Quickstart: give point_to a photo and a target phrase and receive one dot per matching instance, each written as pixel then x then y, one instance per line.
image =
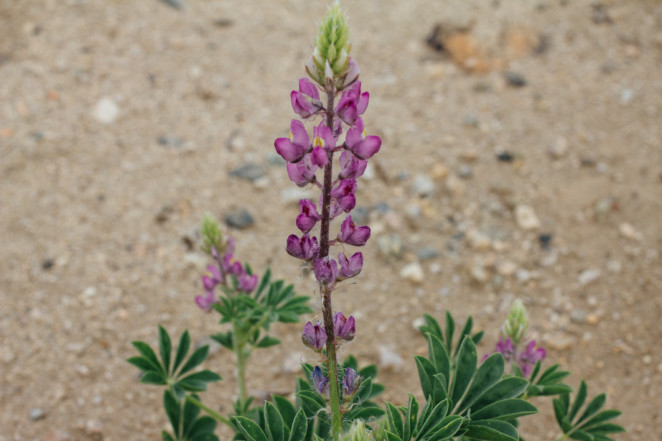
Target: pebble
pixel 37 414
pixel 455 186
pixel 478 272
pixel 614 266
pixel 505 156
pixel 390 246
pixel 423 185
pixel 545 240
pixel 588 276
pixel 177 4
pixel 578 316
pixel 627 95
pixel 169 141
pixel 526 217
pixel 439 171
pixel 427 253
pixel 515 79
pixel 418 323
pixel 465 171
pixel 249 172
pixel 239 219
pixel 559 148
pixel 478 240
pixel 629 232
pixel 388 358
pixel 413 272
pixel 558 341
pixel 506 268
pixel 106 111
pixel 294 194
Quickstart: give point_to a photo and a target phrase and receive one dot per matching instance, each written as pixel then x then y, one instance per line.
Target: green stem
pixel 561 438
pixel 214 414
pixel 241 356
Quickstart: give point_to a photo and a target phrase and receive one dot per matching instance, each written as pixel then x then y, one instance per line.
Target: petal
pixel 299 134
pixel 307 87
pixel 289 151
pixel 367 148
pixel 319 157
pixel 362 103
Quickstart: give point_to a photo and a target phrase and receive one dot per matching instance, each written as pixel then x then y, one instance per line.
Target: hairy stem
pixel 214 414
pixel 327 309
pixel 240 354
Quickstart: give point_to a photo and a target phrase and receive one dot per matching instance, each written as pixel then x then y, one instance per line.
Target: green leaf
pixel 605 429
pixel 153 378
pixel 299 427
pixel 196 359
pixel 580 398
pixel 432 326
pixel 410 417
pixel 393 437
pixel 224 339
pixel 580 435
pixel 165 348
pixel 505 410
pixel 430 421
pixel 560 411
pixel 205 376
pixel 439 356
pixel 509 387
pixel 364 412
pixel 263 283
pixel 492 431
pixel 447 427
pixel 394 419
pixel 182 350
pixel 369 371
pixel 172 409
pixel 464 370
pixel 273 422
pixel 189 416
pixel 165 436
pixel 489 373
pixel 250 429
pixel 450 329
pixel 147 352
pixel 601 417
pixel 477 337
pixel 426 373
pixel 203 425
pixel 311 401
pixel 285 408
pixel 595 405
pixel 267 342
pixel 143 364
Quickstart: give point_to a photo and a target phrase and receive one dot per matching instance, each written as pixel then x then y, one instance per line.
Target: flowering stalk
pixel 335 73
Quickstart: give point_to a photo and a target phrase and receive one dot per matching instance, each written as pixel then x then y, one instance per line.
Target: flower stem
pixel 240 355
pixel 327 309
pixel 213 413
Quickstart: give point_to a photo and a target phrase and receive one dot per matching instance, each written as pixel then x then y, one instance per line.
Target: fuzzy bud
pixel 516 323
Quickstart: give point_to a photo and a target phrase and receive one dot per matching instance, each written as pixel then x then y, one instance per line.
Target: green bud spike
pixel 211 234
pixel 516 323
pixel 356 432
pixel 331 45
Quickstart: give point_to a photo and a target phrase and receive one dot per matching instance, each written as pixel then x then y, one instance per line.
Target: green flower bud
pixel 331 51
pixel 516 323
pixel 380 433
pixel 211 235
pixel 356 432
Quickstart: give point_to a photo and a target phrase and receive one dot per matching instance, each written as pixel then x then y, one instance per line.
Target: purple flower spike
pixel 212 278
pixel 529 357
pixel 320 381
pixel 302 173
pixel 326 271
pixel 344 328
pixel 305 248
pixel 247 283
pixel 296 145
pixel 205 302
pixel 353 235
pixel 314 336
pixel 344 194
pixel 350 383
pixel 308 216
pixel 505 347
pixel 351 167
pixel 364 147
pixel 306 102
pixel 350 267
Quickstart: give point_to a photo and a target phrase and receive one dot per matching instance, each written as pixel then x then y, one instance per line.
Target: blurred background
pixel 521 158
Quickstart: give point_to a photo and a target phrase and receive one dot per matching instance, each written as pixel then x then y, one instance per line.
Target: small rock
pixel 106 111
pixel 505 156
pixel 427 253
pixel 629 232
pixel 559 148
pixel 506 268
pixel 470 120
pixel 239 219
pixel 588 276
pixel 249 172
pixel 523 275
pixel 477 240
pixel 627 95
pixel 515 79
pixel 526 217
pixel 545 240
pixel 469 156
pixel 578 316
pixel 94 429
pixel 47 264
pixel 614 266
pixel 478 273
pixel 455 186
pixel 360 215
pixel 294 194
pixel 388 358
pixel 390 246
pixel 604 206
pixel 465 171
pixel 413 272
pixel 169 141
pixel 439 171
pixel 558 341
pixel 37 414
pixel 592 318
pixel 418 323
pixel 177 4
pixel 423 185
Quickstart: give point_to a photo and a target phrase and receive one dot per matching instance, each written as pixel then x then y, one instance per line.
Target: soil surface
pixel 521 158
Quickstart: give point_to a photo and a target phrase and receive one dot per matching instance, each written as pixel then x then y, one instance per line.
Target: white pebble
pixel 106 111
pixel 413 272
pixel 526 217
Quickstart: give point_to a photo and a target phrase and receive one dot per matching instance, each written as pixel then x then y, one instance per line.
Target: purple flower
pixel 314 336
pixel 323 138
pixel 326 270
pixel 529 357
pixel 505 347
pixel 344 194
pixel 306 102
pixel 353 235
pixel 350 267
pixel 344 328
pixel 212 278
pixel 320 381
pixel 296 145
pixel 246 283
pixel 350 383
pixel 351 167
pixel 364 147
pixel 205 302
pixel 352 103
pixel 308 216
pixel 305 248
pixel 350 77
pixel 302 173
pixel 232 266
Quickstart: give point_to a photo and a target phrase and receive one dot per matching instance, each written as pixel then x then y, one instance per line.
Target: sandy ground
pixel 120 122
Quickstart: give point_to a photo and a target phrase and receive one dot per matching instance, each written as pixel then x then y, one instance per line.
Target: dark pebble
pixel 360 215
pixel 545 240
pixel 177 4
pixel 164 214
pixel 169 141
pixel 427 253
pixel 223 22
pixel 505 157
pixel 239 219
pixel 47 264
pixel 382 208
pixel 250 172
pixel 515 79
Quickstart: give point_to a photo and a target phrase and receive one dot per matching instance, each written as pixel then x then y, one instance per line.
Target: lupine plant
pixel 328 148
